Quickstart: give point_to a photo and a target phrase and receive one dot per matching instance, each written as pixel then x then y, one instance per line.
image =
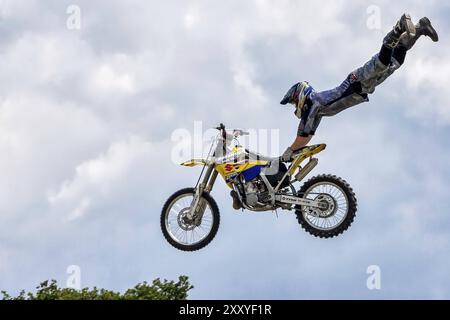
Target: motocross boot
pixel 236 202
pixel 404 25
pixel 423 28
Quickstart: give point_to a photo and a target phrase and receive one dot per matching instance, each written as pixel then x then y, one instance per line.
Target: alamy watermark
pixel 374 279
pixel 373 21
pixel 73 21
pixel 201 141
pixel 74 277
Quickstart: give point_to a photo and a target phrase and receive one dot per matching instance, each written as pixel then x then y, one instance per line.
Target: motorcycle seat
pixel 258 156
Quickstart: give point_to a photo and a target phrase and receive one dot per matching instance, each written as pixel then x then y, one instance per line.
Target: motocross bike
pixel 325 205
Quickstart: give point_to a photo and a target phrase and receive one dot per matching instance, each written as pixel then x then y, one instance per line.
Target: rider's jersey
pixel 352 91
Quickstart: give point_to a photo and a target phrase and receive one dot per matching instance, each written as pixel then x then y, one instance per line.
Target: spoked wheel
pixel 183 232
pixel 338 211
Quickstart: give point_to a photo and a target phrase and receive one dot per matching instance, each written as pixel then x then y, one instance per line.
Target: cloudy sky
pixel 87 115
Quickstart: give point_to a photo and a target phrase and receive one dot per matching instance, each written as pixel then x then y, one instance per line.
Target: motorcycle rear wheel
pixel 179 231
pixel 341 202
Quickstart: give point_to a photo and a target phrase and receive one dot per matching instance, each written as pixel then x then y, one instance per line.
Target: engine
pixel 252 188
pixel 255 192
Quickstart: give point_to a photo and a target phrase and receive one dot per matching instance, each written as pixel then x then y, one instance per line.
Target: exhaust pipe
pixel 306 169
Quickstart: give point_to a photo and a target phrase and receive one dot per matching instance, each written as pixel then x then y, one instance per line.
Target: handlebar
pixel 222 130
pixel 240 132
pixel 235 133
pixel 220 127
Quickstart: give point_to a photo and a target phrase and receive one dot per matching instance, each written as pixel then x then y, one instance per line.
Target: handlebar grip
pixel 220 127
pixel 240 132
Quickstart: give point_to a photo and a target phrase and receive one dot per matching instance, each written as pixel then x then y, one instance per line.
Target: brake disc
pixel 328 203
pixel 183 221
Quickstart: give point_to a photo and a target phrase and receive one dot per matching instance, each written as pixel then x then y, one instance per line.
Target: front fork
pixel 198 205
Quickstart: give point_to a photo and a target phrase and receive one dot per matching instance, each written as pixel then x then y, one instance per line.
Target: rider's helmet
pixel 297 95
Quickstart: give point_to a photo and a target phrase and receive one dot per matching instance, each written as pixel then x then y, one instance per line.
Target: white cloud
pixel 98 177
pixel 40 139
pixel 191 18
pixel 428 80
pixel 308 22
pixel 86 116
pixel 106 81
pixel 251 93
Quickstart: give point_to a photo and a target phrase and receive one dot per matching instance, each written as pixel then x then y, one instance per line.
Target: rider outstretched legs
pixel 358 85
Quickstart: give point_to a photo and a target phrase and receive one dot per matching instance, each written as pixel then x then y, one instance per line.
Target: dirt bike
pixel 325 205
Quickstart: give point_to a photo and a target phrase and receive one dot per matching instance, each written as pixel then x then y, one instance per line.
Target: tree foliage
pixel 158 290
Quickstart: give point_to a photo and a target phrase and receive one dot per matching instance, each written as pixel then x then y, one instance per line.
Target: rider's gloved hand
pixel 287 155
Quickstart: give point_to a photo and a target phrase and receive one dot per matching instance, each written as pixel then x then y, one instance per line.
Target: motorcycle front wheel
pixel 339 210
pixel 184 233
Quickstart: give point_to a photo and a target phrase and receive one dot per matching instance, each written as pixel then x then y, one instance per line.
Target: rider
pixel 311 106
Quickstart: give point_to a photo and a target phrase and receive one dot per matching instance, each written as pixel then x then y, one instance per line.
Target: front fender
pixel 194 162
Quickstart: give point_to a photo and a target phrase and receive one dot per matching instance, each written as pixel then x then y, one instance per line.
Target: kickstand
pixel 276 213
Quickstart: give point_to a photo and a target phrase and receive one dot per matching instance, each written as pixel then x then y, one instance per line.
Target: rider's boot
pixel 404 25
pixel 236 202
pixel 423 28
